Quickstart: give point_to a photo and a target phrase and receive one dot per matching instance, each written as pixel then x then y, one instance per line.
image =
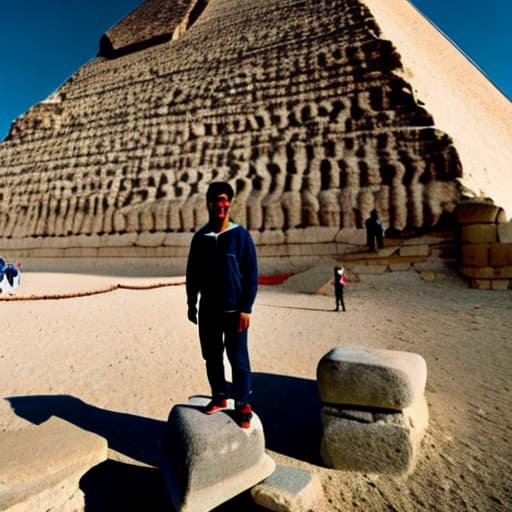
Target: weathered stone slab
pixel 289 490
pixel 41 465
pixel 389 379
pixel 374 441
pixel 399 267
pixel 211 459
pixel 373 269
pixel 415 250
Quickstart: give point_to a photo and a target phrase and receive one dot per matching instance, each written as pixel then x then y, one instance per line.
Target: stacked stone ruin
pixel 485 245
pixel 374 410
pixel 302 106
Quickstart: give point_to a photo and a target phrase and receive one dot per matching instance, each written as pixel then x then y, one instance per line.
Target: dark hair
pixel 217 188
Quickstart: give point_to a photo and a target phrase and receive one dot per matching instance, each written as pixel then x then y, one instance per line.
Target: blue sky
pixel 43 42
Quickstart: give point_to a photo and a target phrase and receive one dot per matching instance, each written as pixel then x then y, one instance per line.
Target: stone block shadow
pixel 290 410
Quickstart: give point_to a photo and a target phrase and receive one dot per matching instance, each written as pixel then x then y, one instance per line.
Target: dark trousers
pixel 372 237
pixel 339 298
pixel 216 332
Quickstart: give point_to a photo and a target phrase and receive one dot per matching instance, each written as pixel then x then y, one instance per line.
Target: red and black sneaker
pixel 243 416
pixel 215 405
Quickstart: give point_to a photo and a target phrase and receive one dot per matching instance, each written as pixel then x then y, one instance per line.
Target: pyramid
pixel 315 111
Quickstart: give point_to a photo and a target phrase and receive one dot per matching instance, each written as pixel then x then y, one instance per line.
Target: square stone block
pixel 475 255
pixel 373 441
pixel 479 233
pixel 369 377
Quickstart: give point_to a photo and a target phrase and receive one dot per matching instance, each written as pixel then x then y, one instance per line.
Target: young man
pixel 222 271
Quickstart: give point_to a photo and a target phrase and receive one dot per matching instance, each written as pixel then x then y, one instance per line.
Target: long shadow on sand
pixel 288 407
pixel 135 436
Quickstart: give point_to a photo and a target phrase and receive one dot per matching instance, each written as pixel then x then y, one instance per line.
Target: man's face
pixel 219 207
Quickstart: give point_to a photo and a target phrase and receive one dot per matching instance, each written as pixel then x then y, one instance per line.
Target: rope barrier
pixel 264 280
pixel 89 293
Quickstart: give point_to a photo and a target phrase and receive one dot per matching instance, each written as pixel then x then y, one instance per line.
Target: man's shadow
pixel 135 436
pixel 288 407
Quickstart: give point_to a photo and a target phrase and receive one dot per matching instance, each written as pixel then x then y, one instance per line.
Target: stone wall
pixel 485 241
pixel 302 106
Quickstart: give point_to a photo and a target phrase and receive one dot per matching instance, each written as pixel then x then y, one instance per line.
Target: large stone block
pixel 41 465
pixel 370 377
pixel 211 459
pixel 373 441
pixel 475 255
pixel 289 490
pixel 500 255
pixel 479 213
pixel 479 233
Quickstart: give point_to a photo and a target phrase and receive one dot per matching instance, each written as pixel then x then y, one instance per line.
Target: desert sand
pixel 116 362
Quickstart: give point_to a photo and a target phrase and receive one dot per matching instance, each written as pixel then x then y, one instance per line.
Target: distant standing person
pixel 340 280
pixel 222 271
pixel 374 231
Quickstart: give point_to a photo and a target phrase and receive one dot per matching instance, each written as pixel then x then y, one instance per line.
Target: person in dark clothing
pixel 374 231
pixel 340 280
pixel 222 272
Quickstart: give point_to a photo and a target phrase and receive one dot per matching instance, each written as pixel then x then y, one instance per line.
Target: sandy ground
pixel 116 362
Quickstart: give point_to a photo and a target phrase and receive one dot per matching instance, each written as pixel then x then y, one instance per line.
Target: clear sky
pixel 43 42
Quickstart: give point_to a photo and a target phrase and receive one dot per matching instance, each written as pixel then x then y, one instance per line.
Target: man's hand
pixel 192 314
pixel 244 321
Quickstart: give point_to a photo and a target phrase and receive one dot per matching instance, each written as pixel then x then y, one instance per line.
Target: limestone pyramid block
pixel 373 441
pixel 369 377
pixel 210 458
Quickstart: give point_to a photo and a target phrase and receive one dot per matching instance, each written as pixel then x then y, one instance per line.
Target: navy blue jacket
pixel 222 269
